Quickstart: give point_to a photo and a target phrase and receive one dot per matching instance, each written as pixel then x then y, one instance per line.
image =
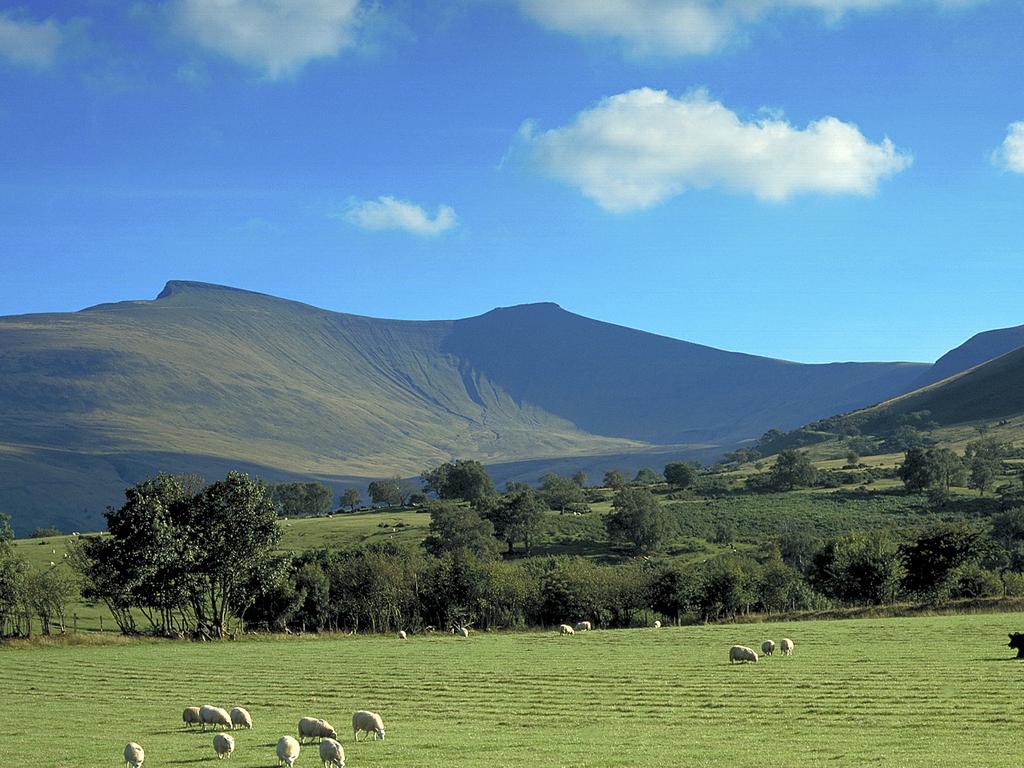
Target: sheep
pixel 315 728
pixel 657 624
pixel 401 634
pixel 742 653
pixel 565 629
pixel 133 755
pixel 287 751
pixel 332 754
pixel 583 626
pixel 211 715
pixel 190 716
pixel 786 646
pixel 223 745
pixel 241 718
pixel 370 722
pixel 463 632
pixel 768 647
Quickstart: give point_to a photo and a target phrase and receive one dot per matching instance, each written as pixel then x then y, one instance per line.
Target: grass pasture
pixel 893 692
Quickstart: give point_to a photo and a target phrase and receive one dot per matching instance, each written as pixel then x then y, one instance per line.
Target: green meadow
pixel 934 691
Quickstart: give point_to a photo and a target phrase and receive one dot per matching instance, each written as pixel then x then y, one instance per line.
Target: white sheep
pixel 190 716
pixel 786 646
pixel 133 755
pixel 370 722
pixel 315 728
pixel 401 634
pixel 657 624
pixel 241 718
pixel 565 629
pixel 463 632
pixel 583 626
pixel 287 751
pixel 223 745
pixel 742 653
pixel 211 715
pixel 768 647
pixel 332 754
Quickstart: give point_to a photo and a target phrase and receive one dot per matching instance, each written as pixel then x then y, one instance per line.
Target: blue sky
pixel 808 179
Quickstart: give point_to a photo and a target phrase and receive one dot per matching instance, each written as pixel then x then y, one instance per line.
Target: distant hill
pixel 206 377
pixel 977 350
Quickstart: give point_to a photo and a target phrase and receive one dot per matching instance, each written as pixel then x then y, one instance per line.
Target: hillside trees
pixel 12 572
pixel 936 469
pixel 301 499
pixel 455 528
pixel 349 498
pixel 516 517
pixel 459 479
pixel 680 474
pixel 560 493
pixel 792 469
pixel 183 559
pixel 638 519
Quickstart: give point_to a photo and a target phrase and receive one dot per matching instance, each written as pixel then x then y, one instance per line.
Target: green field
pixel 893 692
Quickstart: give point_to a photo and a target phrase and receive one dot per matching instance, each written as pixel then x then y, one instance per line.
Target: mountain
pixel 977 350
pixel 205 377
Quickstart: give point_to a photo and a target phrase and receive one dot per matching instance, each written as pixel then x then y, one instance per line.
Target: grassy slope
pixel 913 693
pixel 207 376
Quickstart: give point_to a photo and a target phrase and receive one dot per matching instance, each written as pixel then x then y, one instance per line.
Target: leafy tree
pixel 647 476
pixel 459 479
pixel 12 573
pixel 48 593
pixel 349 498
pixel 931 469
pixel 776 586
pixel 560 492
pixel 638 519
pixel 985 459
pixel 673 592
pixel 680 474
pixel 301 499
pixel 614 479
pixel 516 517
pixel 983 474
pixel 389 491
pixel 933 556
pixel 852 458
pixel 580 478
pixel 792 469
pixel 43 533
pixel 455 528
pixel 859 568
pixel 727 587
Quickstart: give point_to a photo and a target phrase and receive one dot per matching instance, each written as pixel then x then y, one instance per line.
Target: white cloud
pixel 276 36
pixel 29 43
pixel 387 212
pixel 1010 155
pixel 636 149
pixel 677 27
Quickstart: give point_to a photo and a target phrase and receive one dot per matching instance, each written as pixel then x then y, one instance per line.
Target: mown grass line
pixel 895 692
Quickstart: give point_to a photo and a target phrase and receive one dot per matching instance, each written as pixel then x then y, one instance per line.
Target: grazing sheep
pixel 401 634
pixel 287 751
pixel 315 728
pixel 190 716
pixel 657 624
pixel 223 745
pixel 332 754
pixel 786 646
pixel 370 722
pixel 463 632
pixel 133 755
pixel 742 653
pixel 241 718
pixel 211 715
pixel 565 629
pixel 768 647
pixel 583 626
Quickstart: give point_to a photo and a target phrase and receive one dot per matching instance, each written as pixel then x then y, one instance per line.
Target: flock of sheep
pixel 332 754
pixel 742 653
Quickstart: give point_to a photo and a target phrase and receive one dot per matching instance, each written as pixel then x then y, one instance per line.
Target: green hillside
pixel 207 378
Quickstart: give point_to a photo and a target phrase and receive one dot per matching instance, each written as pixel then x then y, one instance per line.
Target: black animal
pixel 1017 641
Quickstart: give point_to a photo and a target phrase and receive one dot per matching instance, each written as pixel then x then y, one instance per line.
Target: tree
pixel 388 492
pixel 983 473
pixel 459 479
pixel 455 528
pixel 647 476
pixel 580 478
pixel 560 492
pixel 930 469
pixel 349 498
pixel 680 474
pixel 614 479
pixel 859 568
pixel 638 519
pixel 985 459
pixel 301 499
pixel 12 573
pixel 852 458
pixel 516 517
pixel 933 556
pixel 792 468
